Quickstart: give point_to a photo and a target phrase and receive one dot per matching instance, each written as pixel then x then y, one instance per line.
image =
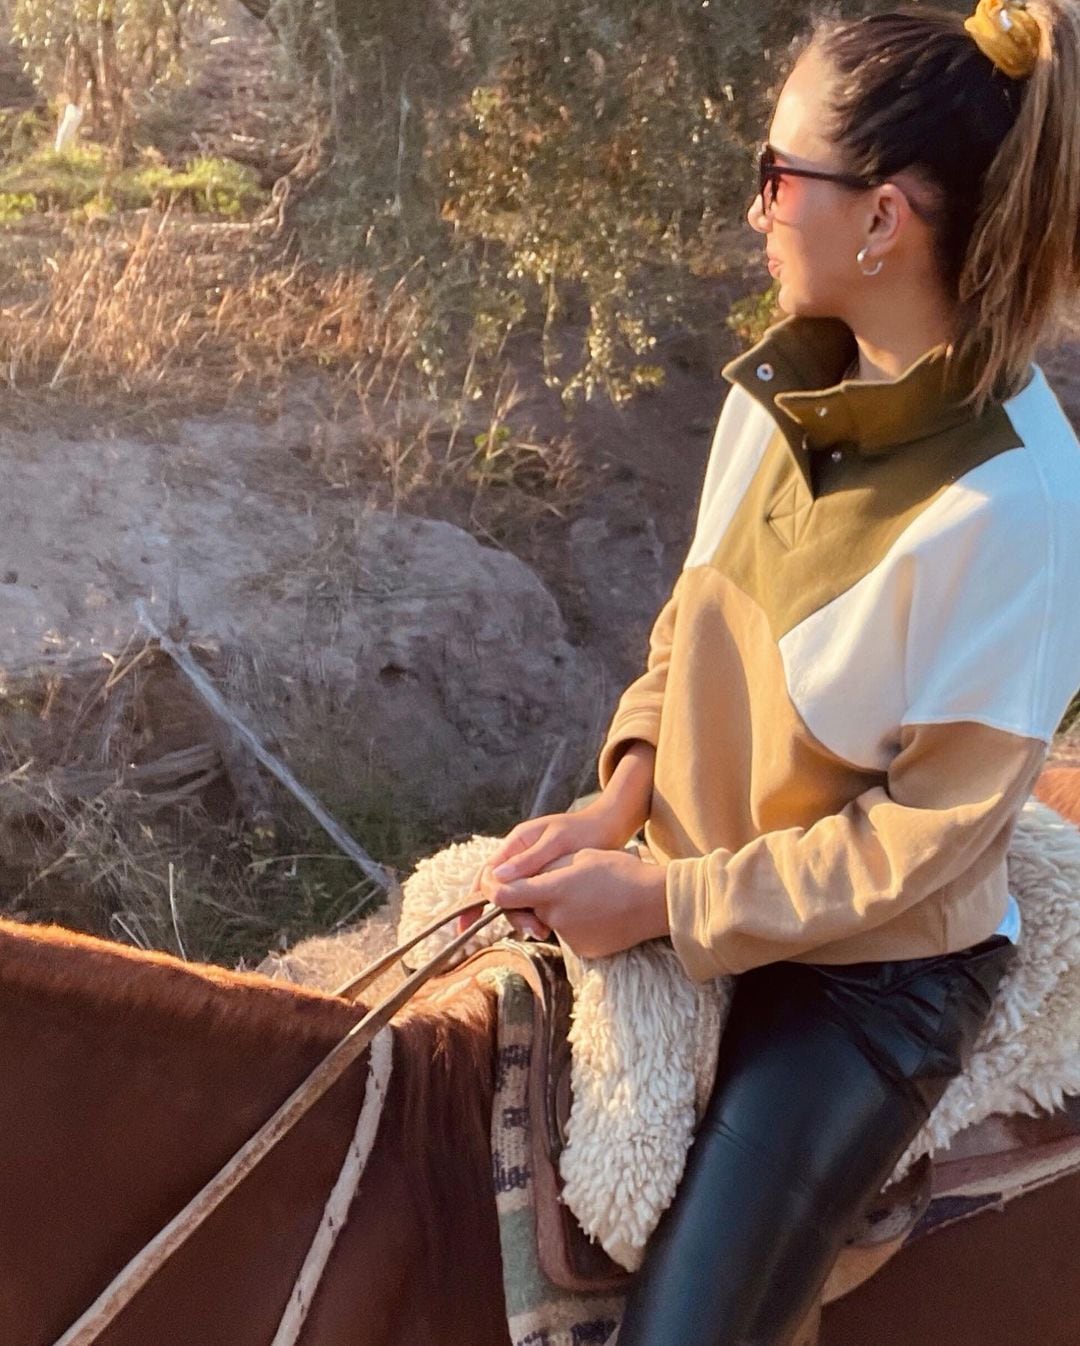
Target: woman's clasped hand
pixel 568 872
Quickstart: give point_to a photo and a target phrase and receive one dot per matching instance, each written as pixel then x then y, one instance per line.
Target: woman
pixel 852 687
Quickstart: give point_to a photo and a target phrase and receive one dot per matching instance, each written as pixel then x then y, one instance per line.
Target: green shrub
pixel 15 205
pixel 22 130
pixel 57 181
pixel 750 316
pixel 218 186
pixel 82 180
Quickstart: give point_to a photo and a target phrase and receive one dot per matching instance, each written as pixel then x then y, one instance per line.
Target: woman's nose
pixel 756 217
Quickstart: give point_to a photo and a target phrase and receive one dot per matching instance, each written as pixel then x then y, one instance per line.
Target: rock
pixel 389 658
pixel 625 574
pixel 447 677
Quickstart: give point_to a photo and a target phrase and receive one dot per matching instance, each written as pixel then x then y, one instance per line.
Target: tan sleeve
pixel 950 801
pixel 637 715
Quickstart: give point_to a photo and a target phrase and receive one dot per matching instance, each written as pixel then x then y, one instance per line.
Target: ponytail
pixel 999 154
pixel 1023 261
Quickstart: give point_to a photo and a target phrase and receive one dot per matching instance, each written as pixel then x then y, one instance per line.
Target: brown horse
pixel 1058 787
pixel 130 1078
pixel 1003 1278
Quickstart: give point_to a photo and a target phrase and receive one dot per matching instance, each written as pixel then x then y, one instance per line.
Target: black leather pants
pixel 826 1073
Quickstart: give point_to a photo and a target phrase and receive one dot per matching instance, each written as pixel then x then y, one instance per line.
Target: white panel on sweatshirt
pixel 742 435
pixel 968 616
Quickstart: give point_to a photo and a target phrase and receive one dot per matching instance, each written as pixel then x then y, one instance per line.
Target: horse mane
pixel 442 1081
pixel 51 961
pixel 445 1068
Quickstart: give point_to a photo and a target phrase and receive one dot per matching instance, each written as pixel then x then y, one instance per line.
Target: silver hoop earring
pixel 860 257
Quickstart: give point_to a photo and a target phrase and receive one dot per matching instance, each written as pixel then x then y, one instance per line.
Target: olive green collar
pixel 796 372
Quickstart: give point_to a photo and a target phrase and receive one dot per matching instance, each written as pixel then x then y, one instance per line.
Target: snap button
pixel 836 455
pixel 765 372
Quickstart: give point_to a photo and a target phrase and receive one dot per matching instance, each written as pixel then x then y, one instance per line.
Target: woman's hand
pixel 533 845
pixel 607 823
pixel 600 901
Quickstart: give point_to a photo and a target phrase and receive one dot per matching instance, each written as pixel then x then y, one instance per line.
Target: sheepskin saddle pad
pixel 643 1042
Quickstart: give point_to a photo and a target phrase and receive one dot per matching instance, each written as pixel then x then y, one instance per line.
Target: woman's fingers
pixel 523 921
pixel 526 850
pixel 517 840
pixel 531 893
pixel 549 847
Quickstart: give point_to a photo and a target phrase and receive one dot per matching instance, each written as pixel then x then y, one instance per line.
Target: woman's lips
pixel 774 266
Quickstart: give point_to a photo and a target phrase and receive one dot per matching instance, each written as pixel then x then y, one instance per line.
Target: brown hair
pixel 1000 159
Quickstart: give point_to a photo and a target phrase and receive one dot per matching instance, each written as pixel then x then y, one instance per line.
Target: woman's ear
pixel 891 214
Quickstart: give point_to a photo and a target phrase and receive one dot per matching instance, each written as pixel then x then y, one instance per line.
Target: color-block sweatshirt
pixel 853 685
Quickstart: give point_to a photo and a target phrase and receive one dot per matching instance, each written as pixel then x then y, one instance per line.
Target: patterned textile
pixel 537 1312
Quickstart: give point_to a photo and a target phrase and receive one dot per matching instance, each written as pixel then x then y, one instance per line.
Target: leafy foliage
pixel 104 50
pixel 638 135
pixel 589 156
pixel 750 316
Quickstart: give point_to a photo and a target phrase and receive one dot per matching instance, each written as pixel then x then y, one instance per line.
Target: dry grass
pixel 164 310
pixel 118 812
pixel 121 813
pixel 140 320
pixel 126 811
pixel 464 457
pixel 133 321
pixel 188 883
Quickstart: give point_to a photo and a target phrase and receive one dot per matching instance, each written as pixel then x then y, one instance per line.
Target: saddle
pixel 569 1258
pixel 997 1157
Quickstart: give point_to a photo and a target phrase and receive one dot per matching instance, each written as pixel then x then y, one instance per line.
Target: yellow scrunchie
pixel 1008 34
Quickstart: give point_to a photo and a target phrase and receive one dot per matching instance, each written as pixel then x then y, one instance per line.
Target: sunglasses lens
pixel 766 181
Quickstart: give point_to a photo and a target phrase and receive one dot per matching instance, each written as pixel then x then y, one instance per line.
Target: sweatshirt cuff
pixel 689 903
pixel 629 728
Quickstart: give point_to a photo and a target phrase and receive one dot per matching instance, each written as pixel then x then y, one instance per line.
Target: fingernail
pixel 503 872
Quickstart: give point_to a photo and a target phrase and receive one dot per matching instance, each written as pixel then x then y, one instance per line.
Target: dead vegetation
pixel 159 308
pixel 139 320
pixel 123 810
pixel 126 810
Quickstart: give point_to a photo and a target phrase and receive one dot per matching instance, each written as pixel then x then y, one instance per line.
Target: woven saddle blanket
pixel 538 1313
pixel 644 1041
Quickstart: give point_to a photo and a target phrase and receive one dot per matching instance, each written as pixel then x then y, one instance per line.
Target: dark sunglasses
pixel 769 171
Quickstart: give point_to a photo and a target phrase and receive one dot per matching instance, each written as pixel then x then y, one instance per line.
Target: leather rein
pixel 130 1279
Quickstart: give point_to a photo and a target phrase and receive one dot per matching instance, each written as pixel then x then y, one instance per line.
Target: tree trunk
pixel 260 8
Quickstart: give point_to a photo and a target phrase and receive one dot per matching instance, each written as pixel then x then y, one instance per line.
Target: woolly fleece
pixel 644 1037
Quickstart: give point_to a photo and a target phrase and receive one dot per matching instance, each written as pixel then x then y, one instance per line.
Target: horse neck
pixel 1058 787
pixel 129 1079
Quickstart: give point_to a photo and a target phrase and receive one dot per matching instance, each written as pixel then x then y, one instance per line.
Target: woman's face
pixel 815 228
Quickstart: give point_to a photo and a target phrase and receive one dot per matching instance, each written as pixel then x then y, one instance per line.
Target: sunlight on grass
pixel 82 181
